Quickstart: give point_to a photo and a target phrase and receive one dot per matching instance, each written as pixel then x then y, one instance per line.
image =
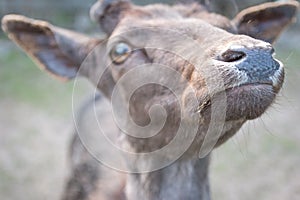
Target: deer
pixel 176 76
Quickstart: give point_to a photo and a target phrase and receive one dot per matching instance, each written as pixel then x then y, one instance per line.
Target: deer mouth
pixel 247 101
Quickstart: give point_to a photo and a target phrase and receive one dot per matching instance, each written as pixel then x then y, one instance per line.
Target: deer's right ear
pixel 109 12
pixel 266 21
pixel 58 51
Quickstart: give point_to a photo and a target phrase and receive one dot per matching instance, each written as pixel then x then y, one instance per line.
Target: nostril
pixel 232 56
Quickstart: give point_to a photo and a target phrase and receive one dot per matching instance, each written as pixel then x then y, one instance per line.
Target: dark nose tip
pixel 256 61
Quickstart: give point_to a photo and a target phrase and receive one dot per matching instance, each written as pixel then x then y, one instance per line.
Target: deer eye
pixel 120 53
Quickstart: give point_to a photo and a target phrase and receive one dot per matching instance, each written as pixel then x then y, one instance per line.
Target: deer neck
pixel 184 179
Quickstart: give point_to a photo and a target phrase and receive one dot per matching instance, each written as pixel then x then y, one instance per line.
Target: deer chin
pixel 249 101
pixel 245 102
pixel 241 103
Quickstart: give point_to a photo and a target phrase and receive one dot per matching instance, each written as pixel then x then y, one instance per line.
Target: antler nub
pixel 98 9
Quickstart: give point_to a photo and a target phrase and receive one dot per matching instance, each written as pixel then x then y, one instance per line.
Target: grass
pixel 22 81
pixel 289 56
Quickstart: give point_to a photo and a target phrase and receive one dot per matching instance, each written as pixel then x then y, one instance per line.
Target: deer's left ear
pixel 58 51
pixel 108 13
pixel 266 21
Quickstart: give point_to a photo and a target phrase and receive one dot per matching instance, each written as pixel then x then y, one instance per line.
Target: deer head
pixel 199 67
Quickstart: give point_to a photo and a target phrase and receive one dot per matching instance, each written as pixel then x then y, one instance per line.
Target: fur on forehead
pixel 160 12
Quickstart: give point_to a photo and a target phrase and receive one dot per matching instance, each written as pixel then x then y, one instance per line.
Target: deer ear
pixel 109 12
pixel 266 21
pixel 58 51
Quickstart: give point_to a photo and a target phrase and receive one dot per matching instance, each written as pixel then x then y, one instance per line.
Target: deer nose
pixel 257 62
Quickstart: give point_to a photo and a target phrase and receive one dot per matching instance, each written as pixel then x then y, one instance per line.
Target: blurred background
pixel 262 161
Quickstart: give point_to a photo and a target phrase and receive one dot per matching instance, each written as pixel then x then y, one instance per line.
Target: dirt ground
pixel 261 162
pixel 32 153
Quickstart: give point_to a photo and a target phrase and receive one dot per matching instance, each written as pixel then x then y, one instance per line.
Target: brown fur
pixel 251 80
